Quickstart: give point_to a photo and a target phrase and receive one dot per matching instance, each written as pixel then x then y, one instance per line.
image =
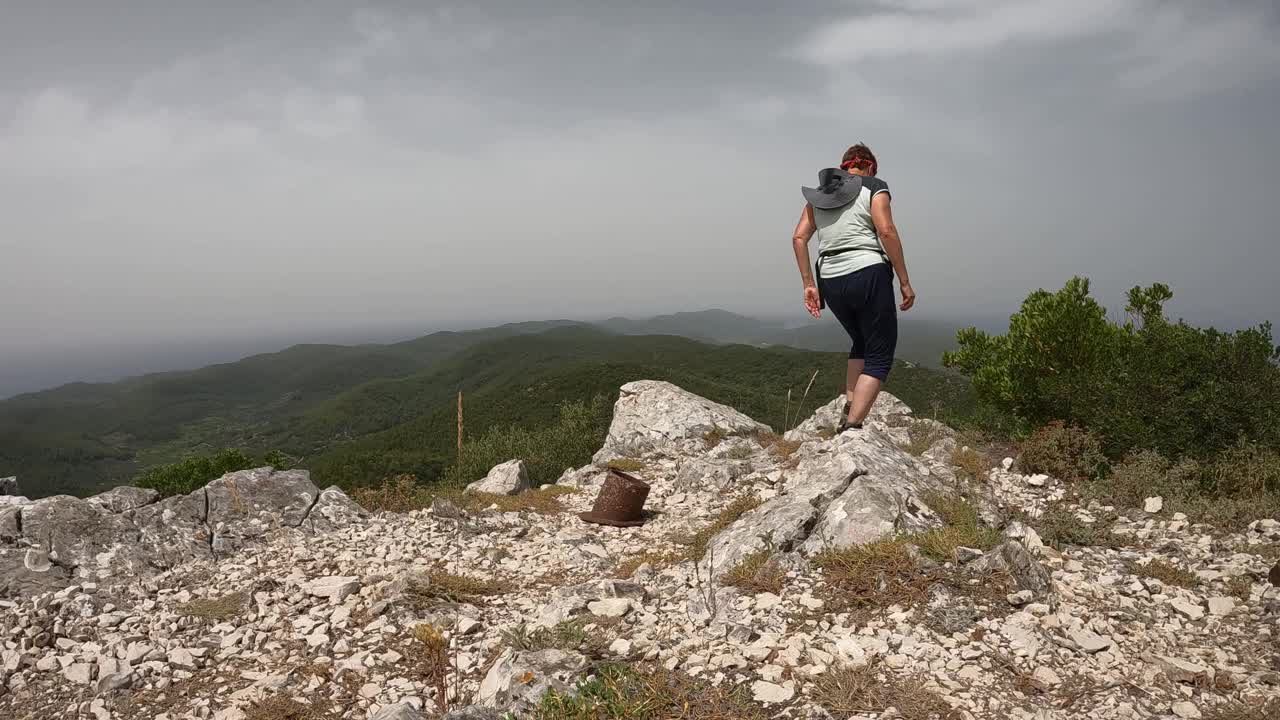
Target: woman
pixel 859 252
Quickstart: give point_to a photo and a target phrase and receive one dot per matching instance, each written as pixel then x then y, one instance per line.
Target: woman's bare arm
pixel 800 243
pixel 882 216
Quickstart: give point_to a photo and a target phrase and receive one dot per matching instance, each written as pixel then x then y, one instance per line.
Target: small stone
pixel 335 587
pixel 467 626
pixel 1046 677
pixel 1020 598
pixel 1221 605
pixel 1153 504
pixel 1006 463
pixel 620 647
pixel 770 693
pixel 966 555
pixel 1186 709
pixel 1182 671
pixel 610 607
pixel 767 601
pixel 1089 641
pixel 182 657
pixel 79 673
pixel 1037 480
pixel 1190 610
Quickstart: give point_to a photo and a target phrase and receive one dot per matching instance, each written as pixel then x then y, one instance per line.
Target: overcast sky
pixel 176 170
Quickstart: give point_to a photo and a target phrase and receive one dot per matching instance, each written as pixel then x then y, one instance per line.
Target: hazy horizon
pixel 185 179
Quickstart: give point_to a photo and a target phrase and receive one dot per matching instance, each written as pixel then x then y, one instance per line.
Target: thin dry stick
pixel 786 415
pixel 800 407
pixel 459 422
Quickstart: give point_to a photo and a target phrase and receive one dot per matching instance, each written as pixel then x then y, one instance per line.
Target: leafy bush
pixel 193 473
pixel 547 452
pixel 1145 384
pixel 1067 453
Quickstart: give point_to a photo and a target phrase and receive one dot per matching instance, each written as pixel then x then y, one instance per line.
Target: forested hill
pixel 356 414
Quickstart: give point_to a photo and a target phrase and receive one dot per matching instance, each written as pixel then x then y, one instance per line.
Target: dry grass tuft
pixel 922 437
pixel 1241 586
pixel 961 528
pixel 969 464
pixel 281 707
pixel 439 587
pixel 657 559
pixel 585 635
pixel 622 691
pixel 396 494
pixel 1167 573
pixel 714 437
pixel 847 691
pixel 696 543
pixel 1059 527
pixel 218 609
pixel 757 573
pixel 626 465
pixel 543 501
pixel 871 576
pixel 431 656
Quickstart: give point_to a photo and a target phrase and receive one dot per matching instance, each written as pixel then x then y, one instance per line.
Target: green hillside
pixel 357 414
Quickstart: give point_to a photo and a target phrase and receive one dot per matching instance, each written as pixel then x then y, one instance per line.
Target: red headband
pixel 858 162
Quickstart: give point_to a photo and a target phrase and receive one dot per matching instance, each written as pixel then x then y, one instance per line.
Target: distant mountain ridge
pixel 355 413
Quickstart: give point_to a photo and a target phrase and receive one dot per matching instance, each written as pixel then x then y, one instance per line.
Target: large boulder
pixel 127 532
pixel 887 410
pixel 856 488
pixel 518 680
pixel 508 478
pixel 652 415
pixel 124 498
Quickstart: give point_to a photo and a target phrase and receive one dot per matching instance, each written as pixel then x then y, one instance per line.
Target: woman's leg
pixel 851 379
pixel 878 323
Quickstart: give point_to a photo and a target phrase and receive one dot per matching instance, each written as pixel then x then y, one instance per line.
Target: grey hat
pixel 836 188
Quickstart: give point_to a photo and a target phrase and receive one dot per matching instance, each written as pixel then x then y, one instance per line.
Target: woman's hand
pixel 908 297
pixel 811 301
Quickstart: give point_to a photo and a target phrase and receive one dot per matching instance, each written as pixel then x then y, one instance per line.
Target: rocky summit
pixel 799 574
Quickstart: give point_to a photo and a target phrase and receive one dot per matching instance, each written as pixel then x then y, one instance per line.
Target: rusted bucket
pixel 620 502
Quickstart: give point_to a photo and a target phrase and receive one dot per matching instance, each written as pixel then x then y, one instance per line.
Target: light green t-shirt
pixel 851 227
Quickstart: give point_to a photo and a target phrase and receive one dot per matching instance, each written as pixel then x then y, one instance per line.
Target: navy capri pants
pixel 864 304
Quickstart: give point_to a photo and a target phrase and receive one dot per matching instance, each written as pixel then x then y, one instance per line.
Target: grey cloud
pixel 183 170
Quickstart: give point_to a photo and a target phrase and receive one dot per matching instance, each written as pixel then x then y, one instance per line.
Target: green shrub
pixel 547 452
pixel 193 473
pixel 1067 453
pixel 1145 384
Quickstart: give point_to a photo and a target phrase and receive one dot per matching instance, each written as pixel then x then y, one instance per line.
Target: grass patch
pixel 847 691
pixel 216 609
pixel 871 576
pixel 585 635
pixel 1166 572
pixel 626 465
pixel 969 464
pixel 657 559
pixel 757 573
pixel 1241 587
pixel 439 587
pixel 645 693
pixel 714 437
pixel 397 494
pixel 697 542
pixel 281 707
pixel 921 436
pixel 1059 527
pixel 961 528
pixel 431 656
pixel 543 501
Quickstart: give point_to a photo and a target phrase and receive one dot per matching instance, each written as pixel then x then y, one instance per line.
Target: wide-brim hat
pixel 836 188
pixel 620 502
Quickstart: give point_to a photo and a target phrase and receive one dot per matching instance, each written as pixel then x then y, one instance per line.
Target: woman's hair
pixel 861 157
